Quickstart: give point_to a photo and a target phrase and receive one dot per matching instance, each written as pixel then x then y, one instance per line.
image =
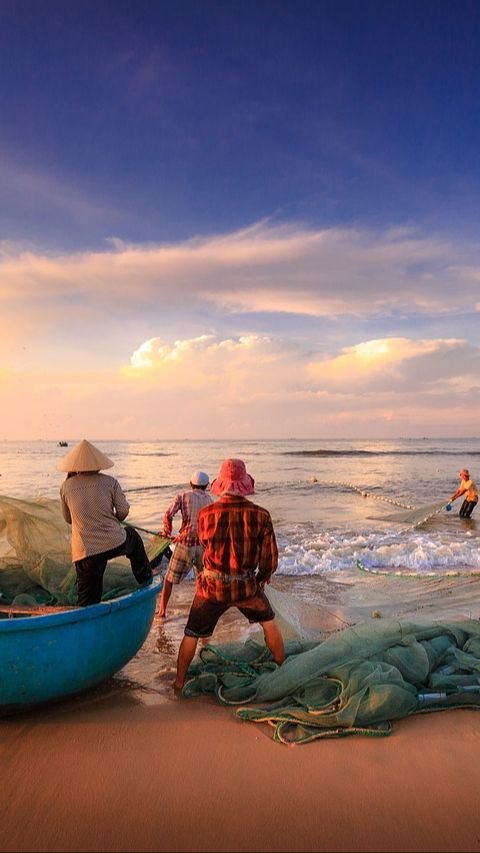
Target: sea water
pixel 328 500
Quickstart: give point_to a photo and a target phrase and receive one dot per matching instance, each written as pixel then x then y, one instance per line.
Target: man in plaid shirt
pixel 188 552
pixel 240 556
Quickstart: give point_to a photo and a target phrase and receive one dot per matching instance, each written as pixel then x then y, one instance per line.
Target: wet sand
pixel 188 775
pixel 130 767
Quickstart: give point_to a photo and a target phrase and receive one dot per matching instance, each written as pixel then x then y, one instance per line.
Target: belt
pixel 243 576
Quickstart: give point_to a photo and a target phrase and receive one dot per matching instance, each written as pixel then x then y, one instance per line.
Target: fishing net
pixel 344 673
pixel 414 515
pixel 356 681
pixel 35 557
pixel 406 514
pixel 387 648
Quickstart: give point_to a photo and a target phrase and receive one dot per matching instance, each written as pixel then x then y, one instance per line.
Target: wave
pixel 322 452
pixel 304 552
pixel 152 453
pixel 148 488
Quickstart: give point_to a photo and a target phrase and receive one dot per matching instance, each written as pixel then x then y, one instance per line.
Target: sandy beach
pixel 123 768
pixel 112 774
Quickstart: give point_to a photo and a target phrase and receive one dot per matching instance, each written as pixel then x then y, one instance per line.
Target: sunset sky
pixel 239 218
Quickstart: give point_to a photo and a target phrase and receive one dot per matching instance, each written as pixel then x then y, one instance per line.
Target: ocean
pixel 313 489
pixel 339 556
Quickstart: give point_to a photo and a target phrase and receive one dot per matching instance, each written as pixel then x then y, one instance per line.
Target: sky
pixel 245 219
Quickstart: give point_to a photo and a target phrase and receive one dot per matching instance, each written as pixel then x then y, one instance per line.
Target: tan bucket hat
pixel 84 457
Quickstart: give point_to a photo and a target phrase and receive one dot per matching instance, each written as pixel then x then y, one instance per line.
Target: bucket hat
pixel 199 478
pixel 233 478
pixel 84 457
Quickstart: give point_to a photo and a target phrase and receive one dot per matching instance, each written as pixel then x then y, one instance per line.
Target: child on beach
pixel 240 557
pixel 468 488
pixel 188 553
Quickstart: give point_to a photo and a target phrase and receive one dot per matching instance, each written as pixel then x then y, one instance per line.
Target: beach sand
pixel 123 769
pixel 188 775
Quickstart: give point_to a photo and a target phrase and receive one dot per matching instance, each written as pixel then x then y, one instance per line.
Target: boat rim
pixel 82 614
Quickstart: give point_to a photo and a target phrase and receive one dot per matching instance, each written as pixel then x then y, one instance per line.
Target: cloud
pixel 258 367
pixel 253 386
pixel 394 364
pixel 263 268
pixel 147 341
pixel 241 367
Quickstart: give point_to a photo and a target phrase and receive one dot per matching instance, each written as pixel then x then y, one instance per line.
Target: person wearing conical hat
pixel 240 556
pixel 467 488
pixel 94 504
pixel 188 552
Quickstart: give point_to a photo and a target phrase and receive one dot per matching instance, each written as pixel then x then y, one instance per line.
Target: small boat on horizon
pixel 62 444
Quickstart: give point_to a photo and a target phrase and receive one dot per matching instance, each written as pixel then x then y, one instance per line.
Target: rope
pixel 320 734
pixel 365 494
pixel 143 529
pixel 383 499
pixel 413 575
pixel 156 534
pixel 416 575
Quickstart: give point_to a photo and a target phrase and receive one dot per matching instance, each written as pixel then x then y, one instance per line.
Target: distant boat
pixel 62 444
pixel 67 650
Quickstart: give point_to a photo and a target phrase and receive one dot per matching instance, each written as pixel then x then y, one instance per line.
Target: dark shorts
pixel 467 508
pixel 204 614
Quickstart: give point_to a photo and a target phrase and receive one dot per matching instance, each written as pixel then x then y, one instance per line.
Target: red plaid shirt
pixel 240 549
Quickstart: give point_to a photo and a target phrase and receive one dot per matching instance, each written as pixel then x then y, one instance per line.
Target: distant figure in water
pixel 94 504
pixel 188 552
pixel 240 556
pixel 468 488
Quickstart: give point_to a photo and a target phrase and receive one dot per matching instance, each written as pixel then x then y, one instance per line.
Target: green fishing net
pixel 414 515
pixel 356 681
pixel 35 557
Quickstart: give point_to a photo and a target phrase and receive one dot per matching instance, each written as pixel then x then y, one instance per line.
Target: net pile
pixel 356 681
pixel 35 557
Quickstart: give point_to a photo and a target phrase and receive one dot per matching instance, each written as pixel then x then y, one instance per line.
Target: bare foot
pixel 177 688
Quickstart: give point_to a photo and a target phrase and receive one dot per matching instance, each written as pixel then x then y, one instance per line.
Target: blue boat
pixel 49 657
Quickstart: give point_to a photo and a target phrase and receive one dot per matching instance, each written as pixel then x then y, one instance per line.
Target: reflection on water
pixel 468 524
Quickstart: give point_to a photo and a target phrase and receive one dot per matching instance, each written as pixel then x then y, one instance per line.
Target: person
pixel 468 488
pixel 240 556
pixel 94 504
pixel 188 551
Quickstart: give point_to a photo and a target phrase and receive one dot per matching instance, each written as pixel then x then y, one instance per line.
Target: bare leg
pixel 166 593
pixel 186 653
pixel 274 640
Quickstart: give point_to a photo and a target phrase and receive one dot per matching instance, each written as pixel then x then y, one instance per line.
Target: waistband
pixel 249 575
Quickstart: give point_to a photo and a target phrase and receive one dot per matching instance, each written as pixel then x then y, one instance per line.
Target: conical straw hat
pixel 84 457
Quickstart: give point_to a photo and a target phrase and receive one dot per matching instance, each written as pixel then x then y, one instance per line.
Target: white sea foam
pixel 326 498
pixel 424 553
